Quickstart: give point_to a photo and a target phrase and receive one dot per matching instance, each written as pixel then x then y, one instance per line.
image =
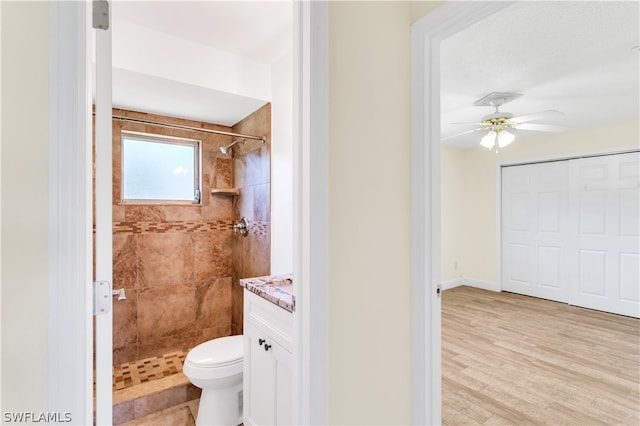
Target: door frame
pixel 310 212
pixel 426 36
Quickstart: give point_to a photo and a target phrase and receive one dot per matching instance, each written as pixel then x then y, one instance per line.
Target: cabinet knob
pixel 261 341
pixel 267 347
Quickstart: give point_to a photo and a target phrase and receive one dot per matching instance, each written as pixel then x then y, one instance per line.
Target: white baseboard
pixel 485 285
pixel 446 285
pixel 456 282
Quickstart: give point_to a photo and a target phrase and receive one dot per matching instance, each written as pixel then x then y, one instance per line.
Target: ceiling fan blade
pixel 460 134
pixel 475 124
pixel 541 127
pixel 537 116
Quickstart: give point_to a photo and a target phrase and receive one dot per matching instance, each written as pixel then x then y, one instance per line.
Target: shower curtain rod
pixel 197 129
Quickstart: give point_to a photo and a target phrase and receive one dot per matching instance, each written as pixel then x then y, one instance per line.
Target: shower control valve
pixel 267 347
pixel 261 341
pixel 241 227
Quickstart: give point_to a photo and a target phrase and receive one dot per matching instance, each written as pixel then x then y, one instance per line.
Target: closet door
pixel 535 230
pixel 605 261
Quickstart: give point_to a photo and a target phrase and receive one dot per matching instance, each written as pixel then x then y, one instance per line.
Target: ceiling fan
pixel 500 124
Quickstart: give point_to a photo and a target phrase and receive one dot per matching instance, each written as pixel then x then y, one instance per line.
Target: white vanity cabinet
pixel 267 375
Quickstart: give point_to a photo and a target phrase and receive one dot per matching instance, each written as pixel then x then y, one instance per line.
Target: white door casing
pixel 70 370
pixel 426 35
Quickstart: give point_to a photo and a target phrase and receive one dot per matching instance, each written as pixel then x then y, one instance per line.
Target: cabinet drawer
pixel 272 319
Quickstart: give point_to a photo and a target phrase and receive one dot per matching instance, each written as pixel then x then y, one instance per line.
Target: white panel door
pixel 605 252
pixel 535 230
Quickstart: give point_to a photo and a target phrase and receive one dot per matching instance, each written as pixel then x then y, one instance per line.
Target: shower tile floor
pixel 154 390
pixel 146 370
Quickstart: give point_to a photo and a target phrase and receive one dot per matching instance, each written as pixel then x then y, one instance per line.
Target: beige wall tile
pixel 141 213
pixel 211 333
pixel 117 214
pixel 125 354
pixel 224 173
pixel 220 208
pixel 125 320
pixel 211 255
pixel 166 311
pixel 164 259
pixel 185 213
pixel 125 267
pixel 214 304
pixel 262 203
pixel 151 346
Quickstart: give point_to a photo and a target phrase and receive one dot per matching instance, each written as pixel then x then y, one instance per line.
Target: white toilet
pixel 216 367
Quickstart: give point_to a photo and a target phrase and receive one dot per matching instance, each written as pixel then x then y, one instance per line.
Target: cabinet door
pixel 260 378
pixel 283 385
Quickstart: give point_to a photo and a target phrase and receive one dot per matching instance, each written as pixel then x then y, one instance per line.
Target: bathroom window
pixel 159 168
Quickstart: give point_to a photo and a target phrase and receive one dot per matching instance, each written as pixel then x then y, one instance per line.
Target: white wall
pixel 282 165
pixel 143 51
pixel 24 169
pixel 369 213
pixel 476 198
pixel 453 195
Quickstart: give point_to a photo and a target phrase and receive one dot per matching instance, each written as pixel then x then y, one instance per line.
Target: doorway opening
pixel 444 23
pixel 179 263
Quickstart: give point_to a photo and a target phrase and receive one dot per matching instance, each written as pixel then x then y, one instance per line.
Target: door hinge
pixel 439 290
pixel 101 297
pixel 100 14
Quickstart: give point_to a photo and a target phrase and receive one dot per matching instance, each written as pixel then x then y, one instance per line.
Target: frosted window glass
pixel 158 170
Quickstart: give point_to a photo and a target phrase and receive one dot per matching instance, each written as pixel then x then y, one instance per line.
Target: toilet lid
pixel 217 352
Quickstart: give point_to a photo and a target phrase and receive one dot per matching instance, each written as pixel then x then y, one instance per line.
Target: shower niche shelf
pixel 232 192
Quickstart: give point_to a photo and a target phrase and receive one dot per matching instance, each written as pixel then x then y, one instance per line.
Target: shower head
pixel 226 149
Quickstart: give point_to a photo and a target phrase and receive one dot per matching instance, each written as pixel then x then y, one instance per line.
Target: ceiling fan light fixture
pixel 505 138
pixel 489 140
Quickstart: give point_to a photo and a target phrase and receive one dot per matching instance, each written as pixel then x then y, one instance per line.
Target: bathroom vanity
pixel 268 361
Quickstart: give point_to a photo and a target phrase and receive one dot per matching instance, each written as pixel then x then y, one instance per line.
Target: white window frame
pixel 172 140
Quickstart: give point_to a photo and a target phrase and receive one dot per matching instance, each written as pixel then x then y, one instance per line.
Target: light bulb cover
pixel 489 140
pixel 505 138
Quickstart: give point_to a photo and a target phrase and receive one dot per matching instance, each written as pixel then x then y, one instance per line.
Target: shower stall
pixel 179 263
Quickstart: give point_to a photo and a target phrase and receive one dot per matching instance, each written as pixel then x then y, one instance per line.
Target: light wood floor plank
pixel 518 360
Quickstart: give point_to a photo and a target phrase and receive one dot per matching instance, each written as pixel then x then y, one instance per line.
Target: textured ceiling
pixel 574 57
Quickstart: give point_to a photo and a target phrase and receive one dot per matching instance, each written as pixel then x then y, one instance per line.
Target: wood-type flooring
pixel 509 359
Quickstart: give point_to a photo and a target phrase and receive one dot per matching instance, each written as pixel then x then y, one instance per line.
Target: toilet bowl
pixel 216 367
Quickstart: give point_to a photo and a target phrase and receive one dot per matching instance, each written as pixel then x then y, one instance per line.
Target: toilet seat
pixel 216 367
pixel 217 353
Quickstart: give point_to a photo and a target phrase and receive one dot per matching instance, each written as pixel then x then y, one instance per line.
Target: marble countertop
pixel 277 289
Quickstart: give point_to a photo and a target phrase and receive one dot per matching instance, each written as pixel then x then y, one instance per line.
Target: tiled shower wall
pixel 252 174
pixel 174 261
